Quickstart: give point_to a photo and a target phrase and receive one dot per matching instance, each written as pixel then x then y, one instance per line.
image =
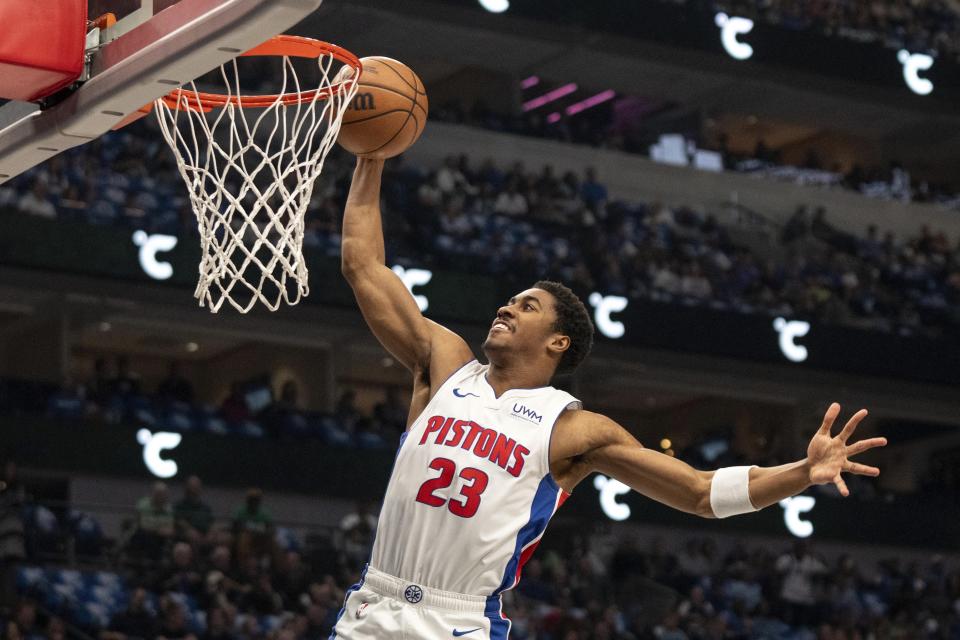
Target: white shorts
pixel 382 606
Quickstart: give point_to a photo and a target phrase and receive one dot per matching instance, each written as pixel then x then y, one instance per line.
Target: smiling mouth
pixel 500 325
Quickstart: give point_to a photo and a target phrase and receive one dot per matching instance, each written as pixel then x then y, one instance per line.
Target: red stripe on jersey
pixel 527 553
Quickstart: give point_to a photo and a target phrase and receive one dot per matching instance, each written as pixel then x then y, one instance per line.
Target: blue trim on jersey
pixel 499 626
pixel 351 590
pixel 544 503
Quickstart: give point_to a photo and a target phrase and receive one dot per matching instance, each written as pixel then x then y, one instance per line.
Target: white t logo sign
pixel 153 445
pixel 609 490
pixel 789 332
pixel 913 64
pixel 792 508
pixel 605 306
pixel 150 246
pixel 731 28
pixel 415 278
pixel 495 6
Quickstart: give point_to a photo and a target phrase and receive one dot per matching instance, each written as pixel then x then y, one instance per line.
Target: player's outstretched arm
pixel 389 309
pixel 585 442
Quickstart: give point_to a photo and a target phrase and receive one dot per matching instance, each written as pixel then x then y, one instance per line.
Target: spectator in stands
pixel 283 415
pixel 175 388
pixel 511 202
pixel 23 625
pixel 174 623
pixel 318 623
pixel 221 586
pixel 155 524
pixel 181 575
pixel 346 411
pixel 12 542
pixel 234 408
pixel 799 569
pixel 218 627
pixel 392 413
pixel 292 579
pixel 261 599
pixel 125 383
pixel 136 621
pixel 194 517
pixel 357 529
pixel 253 528
pixel 593 193
pixel 100 385
pixel 37 202
pixel 451 179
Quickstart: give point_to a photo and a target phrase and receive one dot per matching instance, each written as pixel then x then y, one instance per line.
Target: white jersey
pixel 471 492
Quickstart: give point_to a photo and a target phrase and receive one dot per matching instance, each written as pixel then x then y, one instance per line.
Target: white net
pixel 250 172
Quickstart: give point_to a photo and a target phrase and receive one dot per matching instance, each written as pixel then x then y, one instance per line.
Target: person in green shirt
pixel 253 528
pixel 194 517
pixel 155 522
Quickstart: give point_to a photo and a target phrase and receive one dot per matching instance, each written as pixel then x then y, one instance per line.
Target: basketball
pixel 388 113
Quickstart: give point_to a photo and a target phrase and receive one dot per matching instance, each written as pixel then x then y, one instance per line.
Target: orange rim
pixel 291 46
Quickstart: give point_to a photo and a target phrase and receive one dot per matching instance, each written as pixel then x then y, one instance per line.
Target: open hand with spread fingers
pixel 829 456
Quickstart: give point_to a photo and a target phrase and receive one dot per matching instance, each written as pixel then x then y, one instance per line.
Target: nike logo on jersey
pixel 464 394
pixel 457 634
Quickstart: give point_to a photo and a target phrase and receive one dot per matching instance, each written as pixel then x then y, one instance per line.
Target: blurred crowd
pixel 521 224
pixel 606 128
pixel 181 573
pixel 257 409
pixel 918 25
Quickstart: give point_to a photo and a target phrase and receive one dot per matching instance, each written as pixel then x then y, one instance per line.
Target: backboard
pixel 136 61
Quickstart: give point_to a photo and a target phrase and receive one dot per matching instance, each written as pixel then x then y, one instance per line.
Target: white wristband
pixel 730 493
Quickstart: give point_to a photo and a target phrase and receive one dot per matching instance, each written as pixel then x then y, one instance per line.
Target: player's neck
pixel 503 378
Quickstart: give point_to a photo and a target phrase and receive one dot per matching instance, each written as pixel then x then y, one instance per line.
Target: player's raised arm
pixel 585 442
pixel 389 309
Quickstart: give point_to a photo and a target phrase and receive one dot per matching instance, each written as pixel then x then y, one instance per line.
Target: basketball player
pixel 491 451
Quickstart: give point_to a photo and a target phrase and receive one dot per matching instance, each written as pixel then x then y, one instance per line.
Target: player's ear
pixel 558 344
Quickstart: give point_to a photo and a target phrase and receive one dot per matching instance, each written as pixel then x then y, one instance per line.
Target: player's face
pixel 526 320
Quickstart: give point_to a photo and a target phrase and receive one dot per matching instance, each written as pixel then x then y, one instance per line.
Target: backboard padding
pixel 183 42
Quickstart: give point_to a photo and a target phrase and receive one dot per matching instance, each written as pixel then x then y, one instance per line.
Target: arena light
pixel 495 6
pixel 913 64
pixel 550 96
pixel 591 102
pixel 530 82
pixel 731 28
pixel 789 332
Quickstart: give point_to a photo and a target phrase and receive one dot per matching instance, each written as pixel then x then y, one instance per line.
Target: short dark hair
pixel 573 321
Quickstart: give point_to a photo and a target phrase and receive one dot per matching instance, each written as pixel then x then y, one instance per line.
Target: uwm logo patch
pixel 521 411
pixel 363 102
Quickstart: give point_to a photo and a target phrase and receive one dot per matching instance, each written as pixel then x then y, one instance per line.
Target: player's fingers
pixel 863 445
pixel 862 469
pixel 828 418
pixel 841 486
pixel 851 425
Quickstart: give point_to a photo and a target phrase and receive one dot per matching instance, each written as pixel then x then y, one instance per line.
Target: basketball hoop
pixel 251 179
